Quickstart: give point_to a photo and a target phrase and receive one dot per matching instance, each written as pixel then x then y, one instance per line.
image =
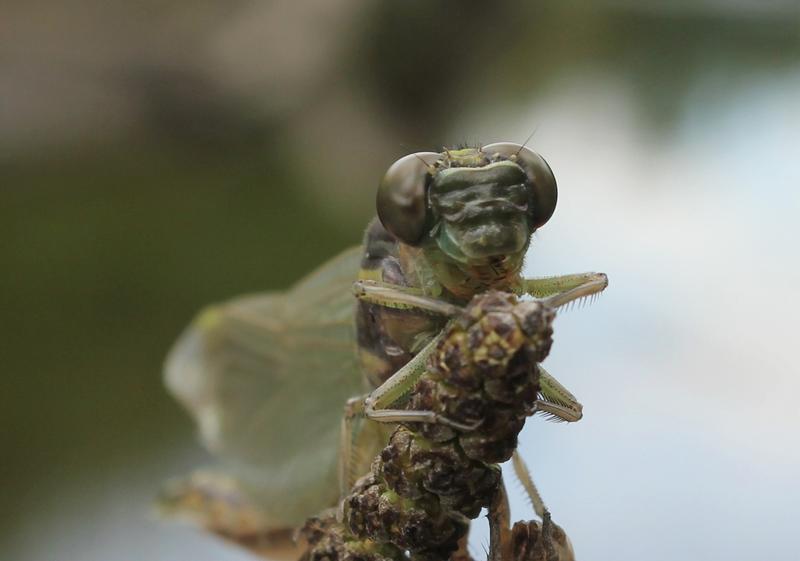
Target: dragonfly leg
pixel 416 416
pixel 402 382
pixel 377 406
pixel 556 400
pixel 499 516
pixel 560 290
pixel 402 298
pixel 546 540
pixel 524 476
pixel 353 410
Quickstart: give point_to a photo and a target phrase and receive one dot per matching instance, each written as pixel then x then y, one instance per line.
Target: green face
pixel 472 208
pixel 480 212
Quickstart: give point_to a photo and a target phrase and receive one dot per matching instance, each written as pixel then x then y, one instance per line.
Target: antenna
pixel 527 140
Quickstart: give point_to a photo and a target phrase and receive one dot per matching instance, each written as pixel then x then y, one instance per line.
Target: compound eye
pixel 402 202
pixel 544 192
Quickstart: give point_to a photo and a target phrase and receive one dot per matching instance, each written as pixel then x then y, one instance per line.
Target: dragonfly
pixel 462 418
pixel 268 378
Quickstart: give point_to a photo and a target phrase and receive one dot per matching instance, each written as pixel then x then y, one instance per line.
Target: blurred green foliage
pixel 106 256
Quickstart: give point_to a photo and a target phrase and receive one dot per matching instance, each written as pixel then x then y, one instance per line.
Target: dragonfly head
pixel 474 205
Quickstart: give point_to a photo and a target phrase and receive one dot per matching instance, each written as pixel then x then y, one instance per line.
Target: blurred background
pixel 158 156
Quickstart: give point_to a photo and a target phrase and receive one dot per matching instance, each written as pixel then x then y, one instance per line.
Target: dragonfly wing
pixel 216 502
pixel 266 378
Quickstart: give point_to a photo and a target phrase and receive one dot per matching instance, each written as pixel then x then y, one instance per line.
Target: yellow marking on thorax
pixel 370 274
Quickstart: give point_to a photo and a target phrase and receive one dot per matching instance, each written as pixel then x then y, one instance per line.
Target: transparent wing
pixel 266 378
